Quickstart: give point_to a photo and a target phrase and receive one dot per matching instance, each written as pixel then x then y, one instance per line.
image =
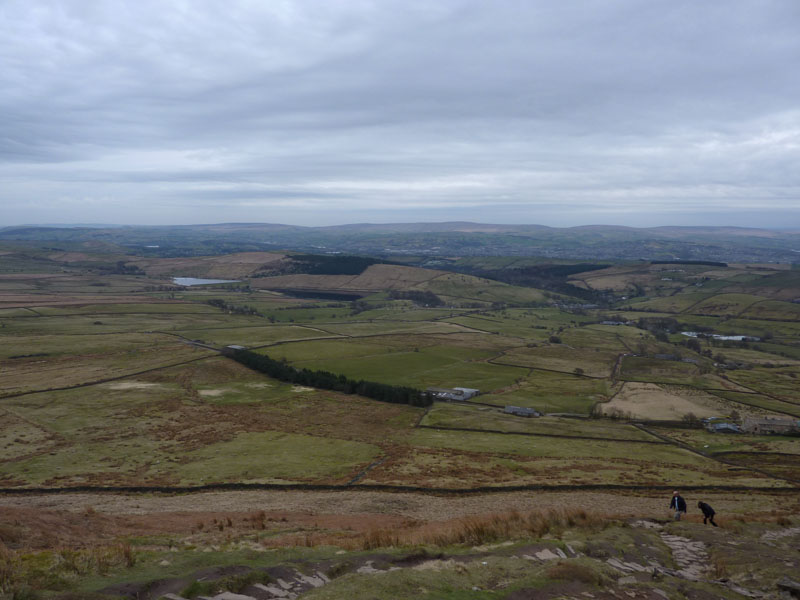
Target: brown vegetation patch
pixel 304 282
pixel 229 266
pixel 446 467
pixel 652 401
pixel 33 300
pixel 472 531
pixel 55 372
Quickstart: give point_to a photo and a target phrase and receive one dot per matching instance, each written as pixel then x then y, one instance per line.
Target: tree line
pixel 426 298
pixel 552 278
pixel 283 371
pixel 235 309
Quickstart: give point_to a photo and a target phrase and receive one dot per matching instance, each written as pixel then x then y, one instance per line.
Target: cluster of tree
pixel 319 295
pixel 660 327
pixel 694 345
pixel 547 277
pixel 119 268
pixel 426 298
pixel 233 308
pixel 283 371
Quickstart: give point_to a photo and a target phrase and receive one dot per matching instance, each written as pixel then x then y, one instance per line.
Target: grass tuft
pixel 477 530
pixel 573 571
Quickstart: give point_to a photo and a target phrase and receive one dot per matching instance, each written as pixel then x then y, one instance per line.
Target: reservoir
pixel 735 338
pixel 195 281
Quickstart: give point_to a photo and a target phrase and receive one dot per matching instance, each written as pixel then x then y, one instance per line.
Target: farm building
pixel 227 350
pixel 521 411
pixel 723 428
pixel 775 425
pixel 452 393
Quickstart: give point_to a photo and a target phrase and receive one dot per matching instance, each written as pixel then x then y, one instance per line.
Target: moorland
pixel 136 450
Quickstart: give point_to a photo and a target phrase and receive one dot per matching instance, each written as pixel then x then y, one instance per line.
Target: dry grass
pixel 652 401
pixel 573 571
pixel 22 571
pixel 9 564
pixel 719 567
pixel 471 531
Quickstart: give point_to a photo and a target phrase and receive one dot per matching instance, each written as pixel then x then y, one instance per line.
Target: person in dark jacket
pixel 708 513
pixel 678 504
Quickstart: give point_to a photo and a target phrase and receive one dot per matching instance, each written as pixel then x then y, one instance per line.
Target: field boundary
pixel 756 453
pixel 712 456
pixel 101 381
pixel 773 410
pixel 346 487
pixel 494 361
pixel 552 435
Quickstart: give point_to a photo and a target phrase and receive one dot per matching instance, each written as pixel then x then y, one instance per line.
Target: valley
pixel 119 399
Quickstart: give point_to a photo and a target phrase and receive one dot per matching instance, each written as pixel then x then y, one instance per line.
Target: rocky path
pixel 692 559
pixel 647 569
pixel 690 556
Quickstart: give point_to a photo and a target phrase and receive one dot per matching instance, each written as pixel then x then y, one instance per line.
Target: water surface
pixel 196 281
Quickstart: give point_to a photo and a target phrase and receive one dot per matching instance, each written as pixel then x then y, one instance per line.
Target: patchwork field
pixel 118 380
pixel 131 390
pixel 658 402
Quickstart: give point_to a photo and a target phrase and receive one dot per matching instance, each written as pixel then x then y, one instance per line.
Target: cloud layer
pixel 319 112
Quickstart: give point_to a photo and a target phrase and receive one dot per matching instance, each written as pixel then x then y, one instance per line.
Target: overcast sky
pixel 632 112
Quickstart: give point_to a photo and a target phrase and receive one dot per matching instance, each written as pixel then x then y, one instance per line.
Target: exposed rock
pixel 275 591
pixel 781 533
pixel 790 585
pixel 691 557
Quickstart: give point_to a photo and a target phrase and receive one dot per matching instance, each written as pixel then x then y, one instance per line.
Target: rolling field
pixel 116 381
pixel 594 363
pixel 773 310
pixel 656 370
pixel 484 418
pixel 723 305
pixel 659 402
pixel 779 383
pixel 118 391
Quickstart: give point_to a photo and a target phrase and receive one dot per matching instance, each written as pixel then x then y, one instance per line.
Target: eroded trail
pixel 690 556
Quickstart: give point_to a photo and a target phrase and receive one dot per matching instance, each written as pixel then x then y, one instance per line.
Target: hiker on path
pixel 678 504
pixel 708 513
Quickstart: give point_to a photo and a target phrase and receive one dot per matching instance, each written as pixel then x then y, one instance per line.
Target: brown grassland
pixel 117 381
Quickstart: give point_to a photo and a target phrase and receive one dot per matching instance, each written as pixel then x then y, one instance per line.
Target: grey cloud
pixel 615 106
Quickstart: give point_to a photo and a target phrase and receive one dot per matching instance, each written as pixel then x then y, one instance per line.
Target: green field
pixel 255 335
pixel 101 387
pixel 594 363
pixel 655 370
pixel 484 418
pixel 121 381
pixel 552 392
pixel 727 305
pixel 773 310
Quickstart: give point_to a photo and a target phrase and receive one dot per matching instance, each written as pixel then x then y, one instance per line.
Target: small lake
pixel 735 338
pixel 188 281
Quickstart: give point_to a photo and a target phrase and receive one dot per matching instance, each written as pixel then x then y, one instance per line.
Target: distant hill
pixel 606 242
